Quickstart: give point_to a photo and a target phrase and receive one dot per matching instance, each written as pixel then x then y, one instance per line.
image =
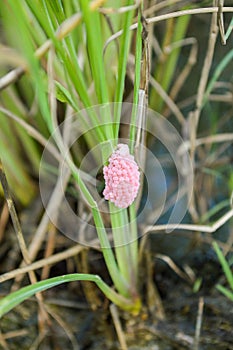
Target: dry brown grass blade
pixel 170 103
pixel 194 116
pixel 58 318
pixel 175 268
pixel 122 9
pixel 175 14
pixel 10 336
pixel 39 236
pixel 42 140
pixel 118 327
pixel 14 217
pixel 154 301
pixel 72 22
pixel 50 246
pixel 89 290
pixel 32 132
pixel 3 220
pixel 11 77
pixel 189 227
pixel 42 316
pixel 3 342
pixel 35 345
pixel 185 71
pixel 218 138
pixel 221 21
pixel 154 8
pixel 198 324
pixel 16 333
pixel 43 262
pixel 206 67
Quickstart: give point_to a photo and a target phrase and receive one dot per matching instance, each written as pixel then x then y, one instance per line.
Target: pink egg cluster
pixel 121 177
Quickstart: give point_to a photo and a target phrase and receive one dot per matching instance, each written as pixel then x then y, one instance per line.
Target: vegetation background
pixel 49 70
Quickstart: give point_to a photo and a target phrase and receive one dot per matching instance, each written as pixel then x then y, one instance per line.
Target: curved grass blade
pixel 15 298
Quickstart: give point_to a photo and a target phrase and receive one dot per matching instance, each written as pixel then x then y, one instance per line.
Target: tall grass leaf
pixel 95 50
pixel 122 64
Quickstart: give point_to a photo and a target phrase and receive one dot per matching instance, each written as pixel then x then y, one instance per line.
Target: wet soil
pixel 75 325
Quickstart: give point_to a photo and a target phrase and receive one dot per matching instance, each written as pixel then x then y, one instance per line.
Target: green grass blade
pixel 225 291
pixel 39 12
pixel 214 210
pixel 118 280
pixel 95 50
pixel 15 298
pixel 96 62
pixel 119 222
pixel 122 64
pixel 229 30
pixel 222 65
pixel 56 10
pixel 224 264
pixel 22 22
